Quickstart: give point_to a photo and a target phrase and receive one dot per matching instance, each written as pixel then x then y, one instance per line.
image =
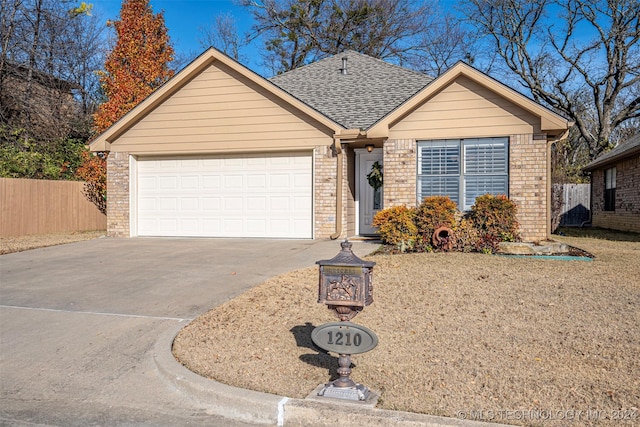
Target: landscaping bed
pixel 459 332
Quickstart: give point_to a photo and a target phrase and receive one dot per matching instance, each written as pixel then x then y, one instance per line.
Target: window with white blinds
pixel 463 169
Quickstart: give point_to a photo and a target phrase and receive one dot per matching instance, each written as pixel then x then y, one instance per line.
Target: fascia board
pixel 600 163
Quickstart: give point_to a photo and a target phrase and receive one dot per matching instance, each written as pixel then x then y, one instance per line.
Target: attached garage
pixel 255 195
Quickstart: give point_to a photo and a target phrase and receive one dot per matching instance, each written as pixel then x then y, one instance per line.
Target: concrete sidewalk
pixel 86 331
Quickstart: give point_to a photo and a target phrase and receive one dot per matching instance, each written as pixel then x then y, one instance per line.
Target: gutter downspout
pixel 549 178
pixel 549 190
pixel 339 154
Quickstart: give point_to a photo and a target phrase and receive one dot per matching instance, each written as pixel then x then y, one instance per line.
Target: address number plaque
pixel 344 338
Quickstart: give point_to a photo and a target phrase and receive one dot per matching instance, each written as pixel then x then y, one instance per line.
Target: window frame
pixel 610 176
pixel 464 175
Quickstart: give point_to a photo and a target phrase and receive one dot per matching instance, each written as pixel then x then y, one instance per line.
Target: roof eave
pixel 600 163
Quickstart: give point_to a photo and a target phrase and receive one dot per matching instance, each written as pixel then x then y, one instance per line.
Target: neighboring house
pixel 615 187
pixel 34 98
pixel 220 151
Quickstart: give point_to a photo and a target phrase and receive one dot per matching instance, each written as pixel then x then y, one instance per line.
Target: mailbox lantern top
pixel 346 257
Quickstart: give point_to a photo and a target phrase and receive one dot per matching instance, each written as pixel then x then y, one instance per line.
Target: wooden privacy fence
pixel 576 204
pixel 33 206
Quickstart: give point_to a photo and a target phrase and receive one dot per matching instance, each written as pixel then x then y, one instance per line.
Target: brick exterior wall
pixel 626 217
pixel 527 180
pixel 400 172
pixel 528 184
pixel 118 194
pixel 325 166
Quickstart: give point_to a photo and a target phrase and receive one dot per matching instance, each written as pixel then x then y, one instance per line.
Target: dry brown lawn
pixel 23 243
pixel 519 339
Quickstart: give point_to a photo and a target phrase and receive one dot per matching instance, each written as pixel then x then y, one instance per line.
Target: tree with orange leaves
pixel 94 172
pixel 137 65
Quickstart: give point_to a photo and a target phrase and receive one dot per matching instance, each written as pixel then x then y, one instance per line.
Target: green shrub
pixel 495 219
pixel 25 157
pixel 434 212
pixel 397 227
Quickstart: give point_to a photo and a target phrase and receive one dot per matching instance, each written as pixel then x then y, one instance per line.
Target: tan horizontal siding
pixel 257 114
pixel 209 129
pixel 216 111
pixel 220 147
pixel 465 109
pixel 207 137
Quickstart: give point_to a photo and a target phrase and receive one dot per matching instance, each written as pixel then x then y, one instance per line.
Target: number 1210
pixel 340 339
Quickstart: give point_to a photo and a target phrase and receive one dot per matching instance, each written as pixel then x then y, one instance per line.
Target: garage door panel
pixel 189 183
pixel 211 204
pixel 211 227
pixel 302 181
pixel 256 204
pixel 256 226
pixel 167 182
pixel 260 162
pixel 257 181
pixel 168 204
pixel 233 182
pixel 168 225
pixel 189 204
pixel 301 202
pixel 233 204
pixel 280 181
pixel 210 181
pixel 279 204
pixel 233 163
pixel 224 196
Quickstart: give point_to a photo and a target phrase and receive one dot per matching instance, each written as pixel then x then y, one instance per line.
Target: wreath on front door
pixel 375 176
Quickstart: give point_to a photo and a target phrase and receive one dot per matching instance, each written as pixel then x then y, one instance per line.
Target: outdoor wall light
pixel 369 147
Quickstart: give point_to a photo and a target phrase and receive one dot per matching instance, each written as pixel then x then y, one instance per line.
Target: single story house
pixel 615 187
pixel 220 151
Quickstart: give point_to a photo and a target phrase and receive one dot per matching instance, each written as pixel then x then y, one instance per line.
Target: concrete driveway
pixel 78 322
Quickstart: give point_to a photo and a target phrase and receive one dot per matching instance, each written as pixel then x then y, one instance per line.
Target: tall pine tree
pixel 138 64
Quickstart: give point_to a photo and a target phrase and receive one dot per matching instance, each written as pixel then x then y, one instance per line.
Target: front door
pixel 369 200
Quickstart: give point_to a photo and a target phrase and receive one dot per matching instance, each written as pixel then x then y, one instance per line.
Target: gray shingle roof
pixel 626 149
pixel 370 90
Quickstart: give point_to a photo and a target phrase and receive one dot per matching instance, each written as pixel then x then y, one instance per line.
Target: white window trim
pixel 462 166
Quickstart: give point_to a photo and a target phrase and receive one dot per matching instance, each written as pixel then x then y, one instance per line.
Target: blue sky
pixel 184 19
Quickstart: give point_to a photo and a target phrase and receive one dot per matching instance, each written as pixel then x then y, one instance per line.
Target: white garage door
pixel 265 195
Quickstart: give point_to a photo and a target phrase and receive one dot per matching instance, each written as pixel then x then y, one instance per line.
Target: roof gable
pixel 189 73
pixel 551 123
pixel 369 89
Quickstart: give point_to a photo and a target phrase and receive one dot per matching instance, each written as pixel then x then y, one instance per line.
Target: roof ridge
pixel 364 55
pixel 386 63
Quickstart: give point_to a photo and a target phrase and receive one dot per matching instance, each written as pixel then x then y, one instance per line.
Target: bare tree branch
pixel 576 56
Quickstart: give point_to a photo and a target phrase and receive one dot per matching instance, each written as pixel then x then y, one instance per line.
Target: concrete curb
pixel 269 409
pixel 213 397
